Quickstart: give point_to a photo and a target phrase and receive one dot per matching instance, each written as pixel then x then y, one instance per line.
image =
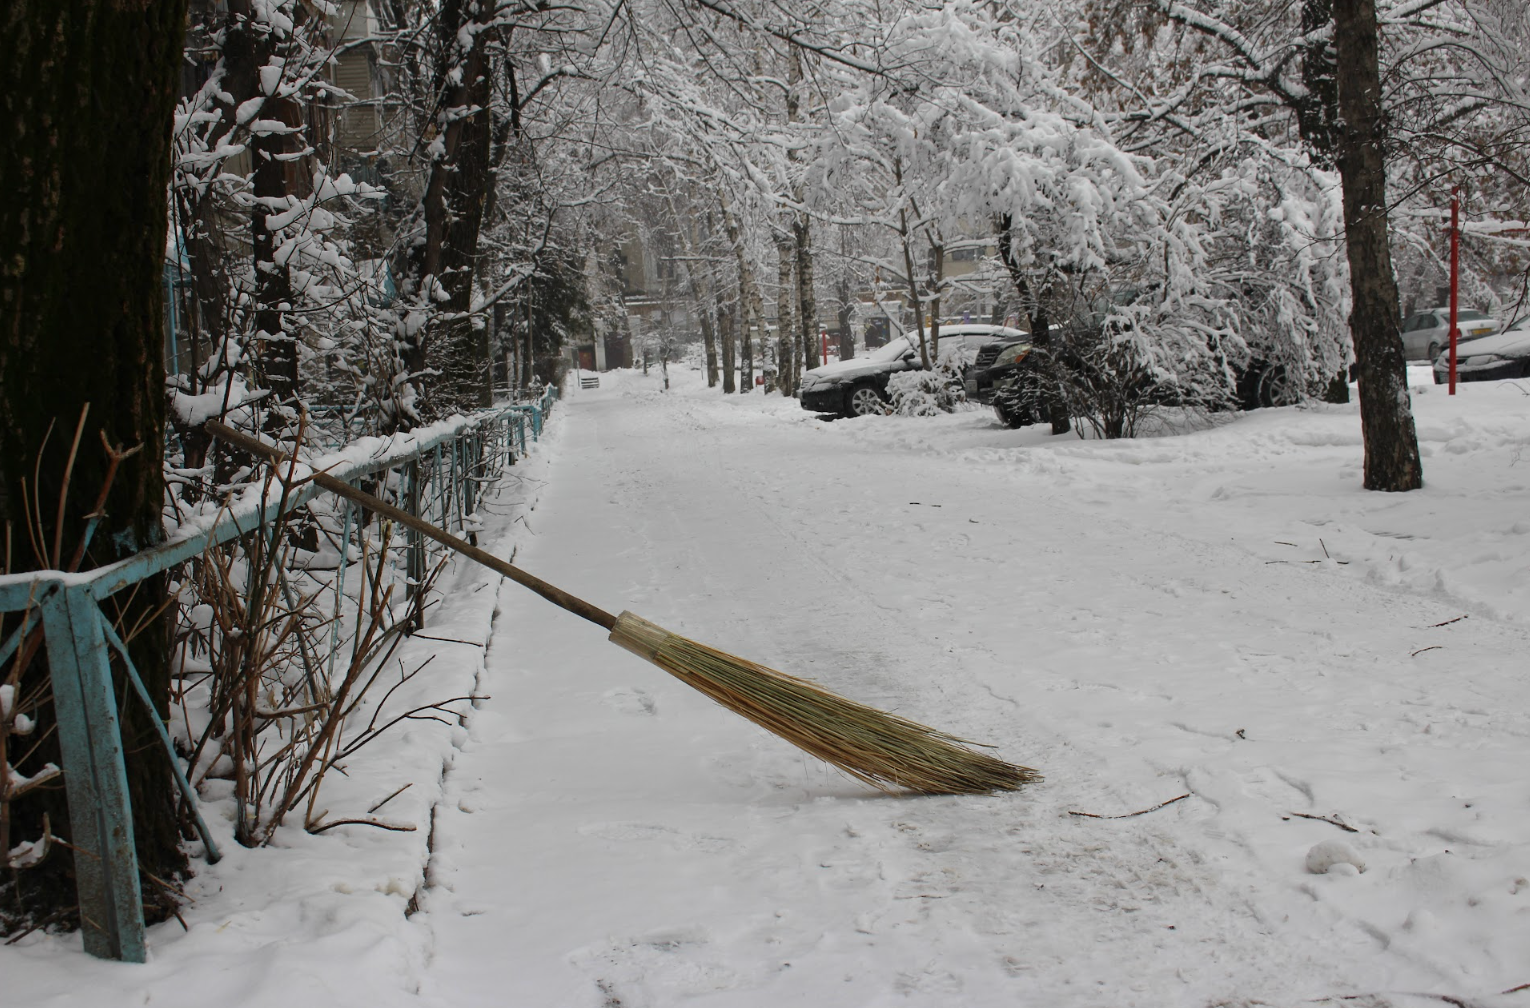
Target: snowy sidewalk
pixel 617 840
pixel 1222 615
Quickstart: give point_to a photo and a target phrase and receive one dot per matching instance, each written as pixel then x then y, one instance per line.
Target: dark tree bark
pixel 842 316
pixel 708 338
pixel 87 89
pixel 745 343
pixel 1317 110
pixel 247 47
pixel 438 271
pixel 807 301
pixel 789 367
pixel 1317 119
pixel 725 316
pixel 1386 417
pixel 1035 306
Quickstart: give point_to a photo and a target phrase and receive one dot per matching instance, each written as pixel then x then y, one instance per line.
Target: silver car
pixel 1504 355
pixel 1424 335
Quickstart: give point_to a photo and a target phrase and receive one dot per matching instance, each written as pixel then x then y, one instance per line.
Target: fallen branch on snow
pixel 1155 808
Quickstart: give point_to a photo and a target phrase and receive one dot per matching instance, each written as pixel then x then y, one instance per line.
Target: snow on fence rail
pixel 252 549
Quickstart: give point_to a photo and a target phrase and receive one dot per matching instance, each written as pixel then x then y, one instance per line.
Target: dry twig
pixel 1129 815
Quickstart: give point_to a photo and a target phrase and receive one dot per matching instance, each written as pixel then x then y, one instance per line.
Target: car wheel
pixel 1434 352
pixel 1010 419
pixel 1277 387
pixel 865 400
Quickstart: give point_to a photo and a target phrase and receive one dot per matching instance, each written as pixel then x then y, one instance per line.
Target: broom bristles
pixel 884 750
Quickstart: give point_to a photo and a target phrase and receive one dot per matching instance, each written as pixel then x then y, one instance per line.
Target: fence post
pixel 414 549
pixel 95 777
pixel 472 453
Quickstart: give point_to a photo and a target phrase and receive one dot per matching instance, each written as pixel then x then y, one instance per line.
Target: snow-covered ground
pixel 1217 613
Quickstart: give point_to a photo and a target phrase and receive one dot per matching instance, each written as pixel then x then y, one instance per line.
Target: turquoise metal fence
pixel 439 473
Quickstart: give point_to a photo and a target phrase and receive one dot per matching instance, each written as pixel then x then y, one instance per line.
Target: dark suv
pixel 1010 376
pixel 858 387
pixel 1005 376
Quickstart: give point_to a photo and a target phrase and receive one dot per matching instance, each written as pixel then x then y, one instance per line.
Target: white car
pixel 1504 355
pixel 1424 335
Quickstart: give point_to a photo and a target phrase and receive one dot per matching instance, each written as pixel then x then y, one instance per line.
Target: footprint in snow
pixel 630 700
pixel 656 968
pixel 641 832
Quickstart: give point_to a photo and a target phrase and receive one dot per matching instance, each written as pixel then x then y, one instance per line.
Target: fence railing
pixel 441 473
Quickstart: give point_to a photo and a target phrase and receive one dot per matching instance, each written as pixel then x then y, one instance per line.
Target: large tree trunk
pixel 438 270
pixel 1317 109
pixel 87 84
pixel 1386 417
pixel 1036 309
pixel 276 348
pixel 248 48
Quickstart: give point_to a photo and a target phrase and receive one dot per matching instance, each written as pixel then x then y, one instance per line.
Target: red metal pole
pixel 1455 278
pixel 823 344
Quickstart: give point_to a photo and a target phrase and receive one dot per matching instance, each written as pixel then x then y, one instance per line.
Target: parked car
pixel 1503 355
pixel 1424 335
pixel 1004 376
pixel 858 387
pixel 988 368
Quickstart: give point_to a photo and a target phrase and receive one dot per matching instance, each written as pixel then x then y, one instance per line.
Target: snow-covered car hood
pixel 846 370
pixel 1513 343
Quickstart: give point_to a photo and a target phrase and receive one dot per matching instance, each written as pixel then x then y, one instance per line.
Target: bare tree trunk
pixel 807 300
pixel 708 337
pixel 756 305
pixel 786 314
pixel 846 337
pixel 802 233
pixel 725 316
pixel 1034 304
pixel 750 302
pixel 526 342
pixel 87 91
pixel 938 254
pixel 702 289
pixel 438 270
pixel 275 348
pixel 746 345
pixel 1386 416
pixel 247 50
pixel 925 357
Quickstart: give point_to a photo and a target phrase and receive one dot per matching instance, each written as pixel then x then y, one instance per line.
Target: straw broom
pixel 884 750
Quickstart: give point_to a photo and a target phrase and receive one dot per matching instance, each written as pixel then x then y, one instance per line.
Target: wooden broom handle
pixel 553 594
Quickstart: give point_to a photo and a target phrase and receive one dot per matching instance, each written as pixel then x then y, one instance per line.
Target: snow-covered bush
pixel 926 393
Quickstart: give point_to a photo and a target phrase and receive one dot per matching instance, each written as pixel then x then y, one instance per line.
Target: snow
pixel 1217 611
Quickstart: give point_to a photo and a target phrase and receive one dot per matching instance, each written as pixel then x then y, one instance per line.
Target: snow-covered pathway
pixel 616 840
